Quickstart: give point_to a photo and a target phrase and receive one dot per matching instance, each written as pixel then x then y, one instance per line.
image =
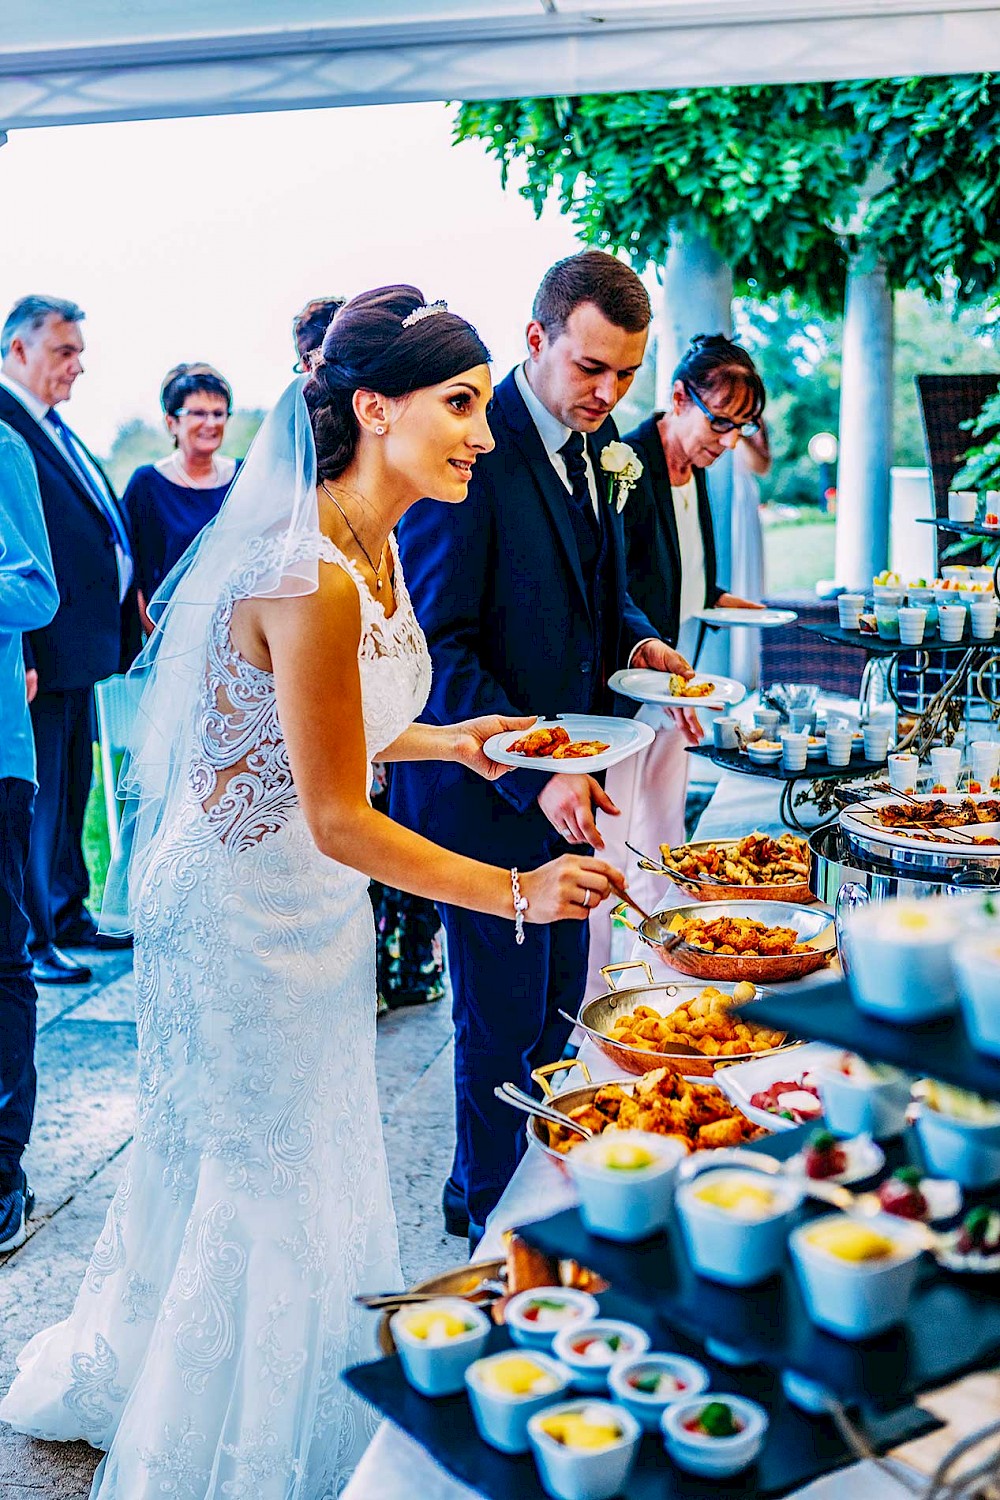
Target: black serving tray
pixel 798 1448
pixel 960 528
pixel 876 646
pixel 816 770
pixel 941 1048
pixel 952 1327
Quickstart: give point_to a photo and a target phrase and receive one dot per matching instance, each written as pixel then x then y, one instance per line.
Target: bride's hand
pixel 569 888
pixel 471 735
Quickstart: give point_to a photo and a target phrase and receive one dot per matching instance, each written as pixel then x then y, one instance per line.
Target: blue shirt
pixel 28 596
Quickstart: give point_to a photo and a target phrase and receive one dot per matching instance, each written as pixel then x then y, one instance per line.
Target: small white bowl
pixel 900 959
pixel 764 753
pixel 977 962
pixel 585 1473
pixel 725 1246
pixel 856 1105
pixel 648 1406
pixel 711 1456
pixel 539 1332
pixel 962 1149
pixel 589 1369
pixel 857 1299
pixel 438 1369
pixel 502 1417
pixel 621 1202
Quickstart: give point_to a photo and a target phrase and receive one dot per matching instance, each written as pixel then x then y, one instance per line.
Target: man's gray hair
pixel 29 313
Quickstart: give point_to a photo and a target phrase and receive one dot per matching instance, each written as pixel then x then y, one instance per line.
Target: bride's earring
pixel 380 432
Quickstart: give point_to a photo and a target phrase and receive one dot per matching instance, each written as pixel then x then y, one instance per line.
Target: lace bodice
pixel 240 775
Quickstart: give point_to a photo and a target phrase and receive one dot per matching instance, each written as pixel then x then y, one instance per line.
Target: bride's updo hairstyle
pixel 389 341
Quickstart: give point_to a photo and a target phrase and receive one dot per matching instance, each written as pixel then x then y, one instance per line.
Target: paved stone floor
pixel 83 1125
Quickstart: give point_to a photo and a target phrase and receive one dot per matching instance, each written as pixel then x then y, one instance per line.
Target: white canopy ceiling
pixel 71 61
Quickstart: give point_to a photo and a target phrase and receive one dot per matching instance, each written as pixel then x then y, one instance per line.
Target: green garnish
pixel 909 1175
pixel 648 1384
pixel 823 1140
pixel 546 1304
pixel 614 1342
pixel 717 1420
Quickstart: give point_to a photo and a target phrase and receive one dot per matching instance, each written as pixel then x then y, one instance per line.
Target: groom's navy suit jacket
pixel 510 621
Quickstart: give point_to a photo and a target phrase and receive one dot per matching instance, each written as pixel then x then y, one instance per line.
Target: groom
pixel 521 592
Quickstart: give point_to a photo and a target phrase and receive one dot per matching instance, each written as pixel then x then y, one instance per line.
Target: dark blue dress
pixel 166 518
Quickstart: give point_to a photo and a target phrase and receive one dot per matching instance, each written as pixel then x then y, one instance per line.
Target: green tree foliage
pixel 138 442
pixel 784 180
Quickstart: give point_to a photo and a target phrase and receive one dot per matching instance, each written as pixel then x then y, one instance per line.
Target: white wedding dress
pixel 205 1347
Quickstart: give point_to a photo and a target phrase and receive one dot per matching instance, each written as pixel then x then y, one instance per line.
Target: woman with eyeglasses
pixel 716 403
pixel 169 502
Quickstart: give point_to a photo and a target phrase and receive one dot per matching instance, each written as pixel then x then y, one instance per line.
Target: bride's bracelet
pixel 520 906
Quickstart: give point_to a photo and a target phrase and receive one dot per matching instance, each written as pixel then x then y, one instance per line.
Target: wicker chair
pixel 946 401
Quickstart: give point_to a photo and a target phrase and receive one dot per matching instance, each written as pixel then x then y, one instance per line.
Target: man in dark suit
pixel 94 634
pixel 521 592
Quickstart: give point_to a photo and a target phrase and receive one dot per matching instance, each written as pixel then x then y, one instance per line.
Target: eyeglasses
pixel 721 425
pixel 196 413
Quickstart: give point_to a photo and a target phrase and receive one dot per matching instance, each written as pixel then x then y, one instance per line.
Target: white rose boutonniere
pixel 624 470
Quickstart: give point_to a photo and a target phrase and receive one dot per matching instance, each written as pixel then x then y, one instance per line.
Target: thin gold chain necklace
pixel 376 570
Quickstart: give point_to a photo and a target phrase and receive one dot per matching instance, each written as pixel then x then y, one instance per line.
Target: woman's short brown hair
pixel 597 277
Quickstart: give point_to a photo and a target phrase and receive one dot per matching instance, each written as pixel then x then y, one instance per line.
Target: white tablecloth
pixel 397 1468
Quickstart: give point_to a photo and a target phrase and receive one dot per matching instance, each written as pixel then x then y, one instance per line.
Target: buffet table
pixel 395 1467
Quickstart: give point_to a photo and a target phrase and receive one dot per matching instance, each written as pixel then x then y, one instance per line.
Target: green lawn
pixel 797 554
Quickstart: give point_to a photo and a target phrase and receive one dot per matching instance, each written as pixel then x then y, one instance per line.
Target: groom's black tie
pixel 572 452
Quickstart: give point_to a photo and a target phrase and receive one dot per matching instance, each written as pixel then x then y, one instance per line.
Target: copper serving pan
pixel 715 890
pixel 809 922
pixel 566 1100
pixel 597 1016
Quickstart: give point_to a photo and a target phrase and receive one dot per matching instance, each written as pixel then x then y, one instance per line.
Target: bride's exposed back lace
pixel 205 1346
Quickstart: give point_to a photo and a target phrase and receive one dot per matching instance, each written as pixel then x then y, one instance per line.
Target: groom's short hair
pixel 597 277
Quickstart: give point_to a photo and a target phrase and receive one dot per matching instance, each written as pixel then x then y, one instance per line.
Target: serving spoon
pixel 510 1094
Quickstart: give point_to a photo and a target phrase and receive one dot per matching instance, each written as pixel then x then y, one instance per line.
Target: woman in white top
pixel 716 402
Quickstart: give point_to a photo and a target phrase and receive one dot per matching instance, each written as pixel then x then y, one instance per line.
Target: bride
pixel 204 1349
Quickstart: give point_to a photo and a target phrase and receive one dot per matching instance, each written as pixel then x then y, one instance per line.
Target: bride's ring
pixel 586 898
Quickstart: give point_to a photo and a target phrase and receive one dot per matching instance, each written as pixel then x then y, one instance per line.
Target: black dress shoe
pixel 83 933
pixel 456 1215
pixel 50 966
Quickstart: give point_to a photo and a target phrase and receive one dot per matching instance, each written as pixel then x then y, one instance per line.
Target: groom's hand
pixel 569 802
pixel 471 735
pixel 657 656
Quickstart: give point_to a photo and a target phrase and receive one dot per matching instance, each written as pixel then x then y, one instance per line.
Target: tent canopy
pixel 73 61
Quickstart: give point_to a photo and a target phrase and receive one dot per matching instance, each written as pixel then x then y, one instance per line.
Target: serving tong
pixel 675 875
pixel 510 1094
pixel 485 1291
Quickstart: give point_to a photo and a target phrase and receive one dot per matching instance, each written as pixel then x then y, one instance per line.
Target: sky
pixel 200 239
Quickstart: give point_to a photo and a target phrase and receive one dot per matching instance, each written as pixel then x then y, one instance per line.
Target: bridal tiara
pixel 427 310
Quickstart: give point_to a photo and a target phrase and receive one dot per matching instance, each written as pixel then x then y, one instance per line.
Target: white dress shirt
pixel 553 435
pixel 692 549
pixel 77 459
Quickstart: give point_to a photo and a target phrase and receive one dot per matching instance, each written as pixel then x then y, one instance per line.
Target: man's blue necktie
pixel 69 446
pixel 572 452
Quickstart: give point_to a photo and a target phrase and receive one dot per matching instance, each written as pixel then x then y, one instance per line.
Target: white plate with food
pixel 766 1089
pixel 935 823
pixel 749 619
pixel 577 743
pixel 673 691
pixel 829 1158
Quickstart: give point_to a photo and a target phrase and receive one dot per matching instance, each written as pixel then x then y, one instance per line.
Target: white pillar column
pixel 865 458
pixel 698 298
